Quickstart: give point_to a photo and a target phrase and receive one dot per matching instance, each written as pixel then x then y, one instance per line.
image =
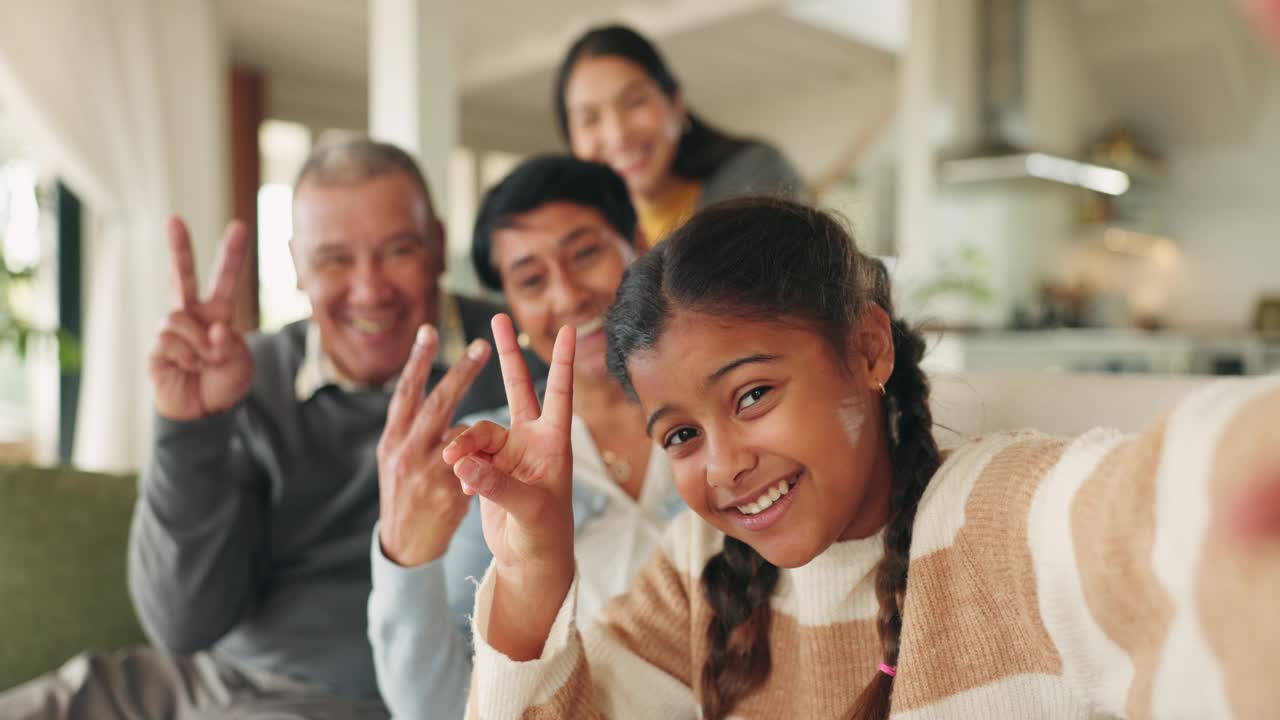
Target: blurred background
pixel 1075 184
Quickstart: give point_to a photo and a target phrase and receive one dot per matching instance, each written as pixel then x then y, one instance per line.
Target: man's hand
pixel 199 364
pixel 421 502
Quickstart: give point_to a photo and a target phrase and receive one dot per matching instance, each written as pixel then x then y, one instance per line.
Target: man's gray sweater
pixel 251 533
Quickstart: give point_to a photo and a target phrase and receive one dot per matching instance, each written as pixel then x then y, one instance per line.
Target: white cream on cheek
pixel 852 415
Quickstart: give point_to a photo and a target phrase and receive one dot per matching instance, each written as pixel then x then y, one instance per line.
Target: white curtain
pixel 127 101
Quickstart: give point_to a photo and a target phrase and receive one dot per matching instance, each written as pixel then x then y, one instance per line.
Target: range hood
pixel 1001 152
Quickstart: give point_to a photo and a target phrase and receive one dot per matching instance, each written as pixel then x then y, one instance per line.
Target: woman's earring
pixel 880 387
pixel 523 340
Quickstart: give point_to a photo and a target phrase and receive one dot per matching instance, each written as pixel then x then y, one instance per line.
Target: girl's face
pixel 561 264
pixel 773 438
pixel 618 116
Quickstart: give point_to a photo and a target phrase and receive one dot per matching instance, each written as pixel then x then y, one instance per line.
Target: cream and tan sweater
pixel 1049 578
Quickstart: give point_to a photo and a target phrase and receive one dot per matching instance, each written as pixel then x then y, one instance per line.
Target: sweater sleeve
pixel 1137 592
pixel 757 168
pixel 199 518
pixel 635 662
pixel 418 625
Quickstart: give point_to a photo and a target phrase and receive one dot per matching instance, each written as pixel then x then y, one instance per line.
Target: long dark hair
pixel 769 259
pixel 703 148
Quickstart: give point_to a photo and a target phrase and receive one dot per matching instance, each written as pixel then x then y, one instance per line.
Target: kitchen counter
pixel 1103 350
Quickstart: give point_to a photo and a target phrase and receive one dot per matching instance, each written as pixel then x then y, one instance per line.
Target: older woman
pixel 555 237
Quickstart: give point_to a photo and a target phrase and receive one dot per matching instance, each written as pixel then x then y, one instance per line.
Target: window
pixel 284 147
pixel 28 312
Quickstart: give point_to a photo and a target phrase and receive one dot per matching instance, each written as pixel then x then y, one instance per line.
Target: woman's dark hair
pixel 765 259
pixel 542 180
pixel 703 148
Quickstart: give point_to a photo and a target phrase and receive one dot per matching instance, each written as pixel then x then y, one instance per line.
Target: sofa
pixel 63 532
pixel 1059 403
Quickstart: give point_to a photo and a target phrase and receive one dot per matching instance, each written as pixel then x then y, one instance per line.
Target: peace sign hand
pixel 421 504
pixel 524 476
pixel 199 364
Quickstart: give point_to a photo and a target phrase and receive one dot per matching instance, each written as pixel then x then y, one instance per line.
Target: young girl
pixel 841 567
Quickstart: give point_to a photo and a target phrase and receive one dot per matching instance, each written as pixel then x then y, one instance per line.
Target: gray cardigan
pixel 758 168
pixel 251 533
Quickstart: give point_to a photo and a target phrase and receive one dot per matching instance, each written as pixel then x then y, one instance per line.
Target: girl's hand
pixel 524 476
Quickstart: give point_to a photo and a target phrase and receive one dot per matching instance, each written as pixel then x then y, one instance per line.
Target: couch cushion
pixel 63 539
pixel 1059 403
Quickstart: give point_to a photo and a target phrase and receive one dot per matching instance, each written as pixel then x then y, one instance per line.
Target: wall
pixel 1016 231
pixel 1223 207
pixel 814 128
pixel 1064 109
pixel 819 130
pixel 1218 200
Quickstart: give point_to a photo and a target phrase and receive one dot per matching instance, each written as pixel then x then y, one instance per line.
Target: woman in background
pixel 619 104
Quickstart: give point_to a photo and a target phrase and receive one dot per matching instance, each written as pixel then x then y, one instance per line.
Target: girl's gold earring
pixel 880 387
pixel 523 340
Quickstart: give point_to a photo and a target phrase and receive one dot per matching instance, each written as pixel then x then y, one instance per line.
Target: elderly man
pixel 248 556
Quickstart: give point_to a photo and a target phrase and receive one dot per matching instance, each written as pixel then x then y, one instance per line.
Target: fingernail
pixel 424 332
pixel 467 469
pixel 476 349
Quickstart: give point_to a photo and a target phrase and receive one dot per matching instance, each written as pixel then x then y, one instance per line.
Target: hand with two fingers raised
pixel 421 503
pixel 200 365
pixel 524 476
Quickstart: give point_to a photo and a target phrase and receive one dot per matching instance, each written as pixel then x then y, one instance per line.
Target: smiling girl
pixel 838 565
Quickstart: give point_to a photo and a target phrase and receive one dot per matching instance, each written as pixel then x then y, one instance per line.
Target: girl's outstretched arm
pixel 1140 572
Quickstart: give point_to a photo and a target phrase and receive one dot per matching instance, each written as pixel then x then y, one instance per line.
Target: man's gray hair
pixel 350 159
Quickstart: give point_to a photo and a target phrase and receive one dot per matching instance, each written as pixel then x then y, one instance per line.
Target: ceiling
pixel 1185 72
pixel 729 53
pixel 1182 71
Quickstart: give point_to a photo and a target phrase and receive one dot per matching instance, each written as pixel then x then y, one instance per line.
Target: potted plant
pixel 17 290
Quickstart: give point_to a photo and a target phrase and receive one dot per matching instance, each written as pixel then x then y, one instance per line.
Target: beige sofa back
pixel 975 403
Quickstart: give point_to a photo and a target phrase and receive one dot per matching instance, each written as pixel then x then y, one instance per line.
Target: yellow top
pixel 677 205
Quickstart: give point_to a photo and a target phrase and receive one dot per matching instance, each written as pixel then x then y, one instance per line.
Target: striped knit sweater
pixel 1048 579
